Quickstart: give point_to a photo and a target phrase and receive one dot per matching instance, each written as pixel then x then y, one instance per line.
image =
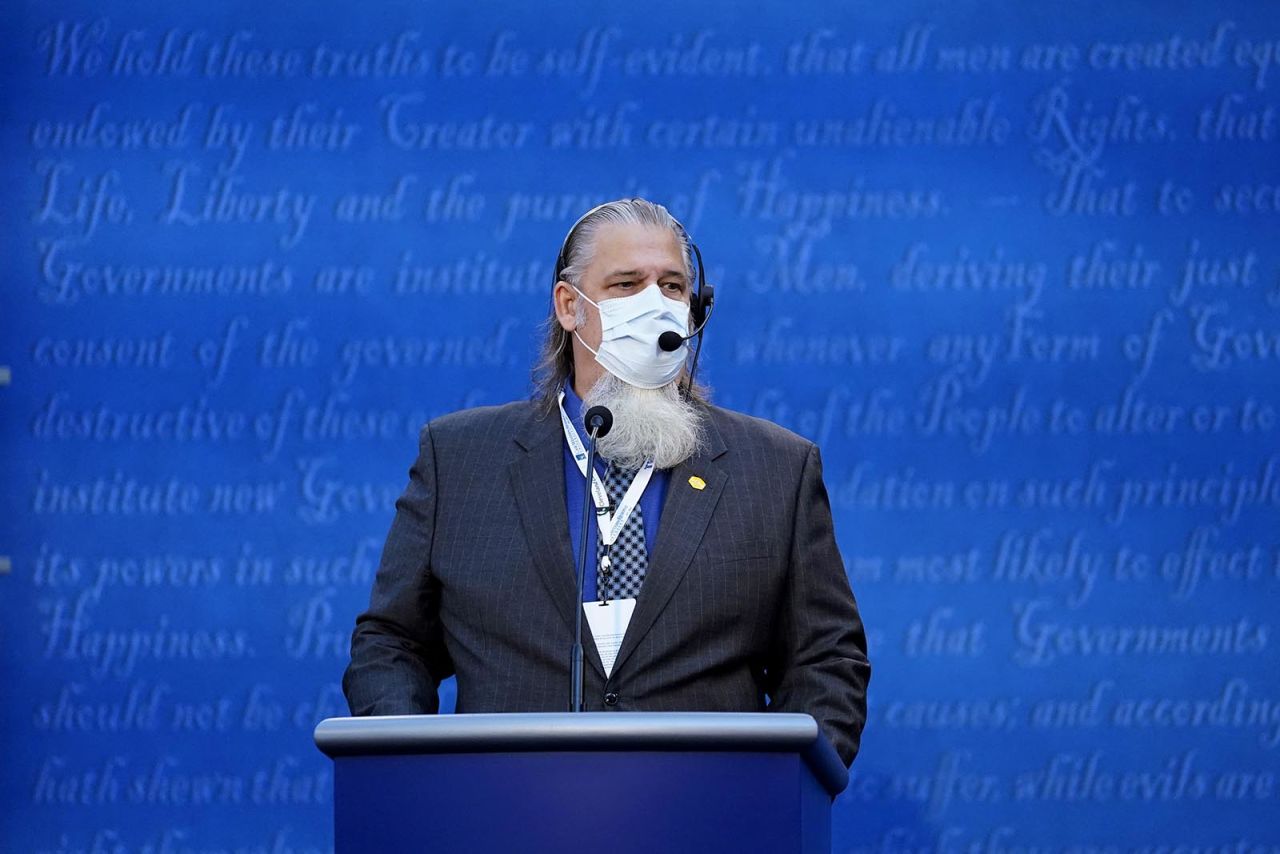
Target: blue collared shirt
pixel 650 502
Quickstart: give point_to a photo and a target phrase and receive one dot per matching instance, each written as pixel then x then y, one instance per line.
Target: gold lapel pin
pixel 697 482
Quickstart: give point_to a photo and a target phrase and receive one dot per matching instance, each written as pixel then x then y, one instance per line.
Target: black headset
pixel 701 302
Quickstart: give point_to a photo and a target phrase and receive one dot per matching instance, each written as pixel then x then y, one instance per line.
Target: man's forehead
pixel 637 271
pixel 627 247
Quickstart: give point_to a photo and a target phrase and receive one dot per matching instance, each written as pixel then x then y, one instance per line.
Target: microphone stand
pixel 598 422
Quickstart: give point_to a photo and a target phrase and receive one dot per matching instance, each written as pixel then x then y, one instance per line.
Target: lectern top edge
pixel 526 732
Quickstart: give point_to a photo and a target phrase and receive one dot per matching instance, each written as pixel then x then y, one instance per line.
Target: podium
pixel 609 782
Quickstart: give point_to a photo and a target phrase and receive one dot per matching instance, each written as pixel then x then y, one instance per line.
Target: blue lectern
pixel 609 782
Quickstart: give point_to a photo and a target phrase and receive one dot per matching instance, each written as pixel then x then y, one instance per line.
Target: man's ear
pixel 565 300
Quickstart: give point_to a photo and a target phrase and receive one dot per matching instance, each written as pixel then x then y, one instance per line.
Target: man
pixel 715 535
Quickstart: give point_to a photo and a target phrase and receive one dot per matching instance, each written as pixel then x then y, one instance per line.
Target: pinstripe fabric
pixel 745 606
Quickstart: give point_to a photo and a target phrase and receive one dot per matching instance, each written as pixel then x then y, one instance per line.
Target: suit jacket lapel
pixel 684 520
pixel 537 481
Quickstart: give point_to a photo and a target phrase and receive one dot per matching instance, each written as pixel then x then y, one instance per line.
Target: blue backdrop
pixel 1014 268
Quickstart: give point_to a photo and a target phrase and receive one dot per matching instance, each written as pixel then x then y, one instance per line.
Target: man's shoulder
pixel 738 429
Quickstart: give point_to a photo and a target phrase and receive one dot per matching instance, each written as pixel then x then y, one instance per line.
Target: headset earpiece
pixel 700 305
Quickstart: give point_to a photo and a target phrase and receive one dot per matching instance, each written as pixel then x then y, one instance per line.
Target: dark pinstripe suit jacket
pixel 745 605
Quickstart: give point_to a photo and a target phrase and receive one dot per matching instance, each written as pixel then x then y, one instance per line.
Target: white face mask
pixel 630 327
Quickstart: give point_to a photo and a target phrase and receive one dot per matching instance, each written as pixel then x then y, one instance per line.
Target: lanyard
pixel 610 525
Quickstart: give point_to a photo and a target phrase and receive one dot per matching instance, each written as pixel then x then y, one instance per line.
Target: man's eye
pixel 674 287
pixel 624 284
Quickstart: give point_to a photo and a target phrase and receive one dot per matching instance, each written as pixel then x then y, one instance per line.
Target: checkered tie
pixel 628 558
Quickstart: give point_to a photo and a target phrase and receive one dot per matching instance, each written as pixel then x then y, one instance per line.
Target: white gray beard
pixel 647 423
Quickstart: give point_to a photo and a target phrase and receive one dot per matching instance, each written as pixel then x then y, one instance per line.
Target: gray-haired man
pixel 715 544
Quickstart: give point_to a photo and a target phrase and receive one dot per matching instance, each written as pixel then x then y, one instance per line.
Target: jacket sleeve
pixel 398 657
pixel 819 662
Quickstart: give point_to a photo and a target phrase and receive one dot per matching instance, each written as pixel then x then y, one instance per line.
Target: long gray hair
pixel 555 362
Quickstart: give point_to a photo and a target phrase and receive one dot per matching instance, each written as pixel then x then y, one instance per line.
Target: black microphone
pixel 671 340
pixel 598 421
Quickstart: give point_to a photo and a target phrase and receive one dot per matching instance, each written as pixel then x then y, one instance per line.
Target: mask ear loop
pixel 575 325
pixel 574 331
pixel 584 344
pixel 584 296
